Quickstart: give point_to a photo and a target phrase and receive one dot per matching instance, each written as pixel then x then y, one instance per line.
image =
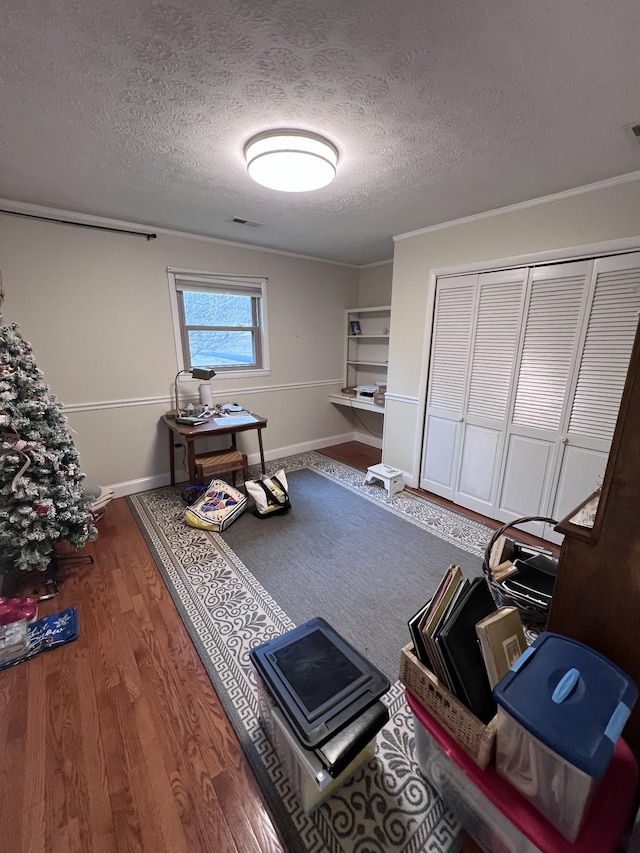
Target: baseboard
pixel 370 440
pixel 143 484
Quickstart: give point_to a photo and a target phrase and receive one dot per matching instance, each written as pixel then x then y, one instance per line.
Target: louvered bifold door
pixel 600 374
pixel 447 383
pixel 550 339
pixel 498 321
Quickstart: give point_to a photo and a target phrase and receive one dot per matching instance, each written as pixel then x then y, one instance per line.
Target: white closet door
pixel 450 347
pixel 599 378
pixel 555 308
pixel 527 373
pixel 495 339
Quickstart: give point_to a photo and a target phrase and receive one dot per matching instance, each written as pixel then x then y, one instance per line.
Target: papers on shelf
pixel 586 515
pixel 195 421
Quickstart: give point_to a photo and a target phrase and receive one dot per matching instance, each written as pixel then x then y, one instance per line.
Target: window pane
pixel 217 309
pixel 224 349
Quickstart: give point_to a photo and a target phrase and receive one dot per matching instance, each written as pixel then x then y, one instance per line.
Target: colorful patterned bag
pixel 218 507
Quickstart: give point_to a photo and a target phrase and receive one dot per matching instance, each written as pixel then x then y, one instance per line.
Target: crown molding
pixel 375 264
pixel 90 219
pixel 523 205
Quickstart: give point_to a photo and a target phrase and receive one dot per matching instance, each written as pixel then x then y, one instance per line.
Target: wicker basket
pixel 211 464
pixel 474 737
pixel 533 615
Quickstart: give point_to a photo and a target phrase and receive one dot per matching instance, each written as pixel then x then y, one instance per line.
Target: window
pixel 219 321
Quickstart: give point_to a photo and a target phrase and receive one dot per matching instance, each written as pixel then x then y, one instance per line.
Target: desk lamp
pixel 196 373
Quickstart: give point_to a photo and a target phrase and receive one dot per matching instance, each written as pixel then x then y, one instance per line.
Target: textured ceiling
pixel 139 110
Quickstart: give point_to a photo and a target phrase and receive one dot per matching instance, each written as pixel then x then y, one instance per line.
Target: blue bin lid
pixel 571 698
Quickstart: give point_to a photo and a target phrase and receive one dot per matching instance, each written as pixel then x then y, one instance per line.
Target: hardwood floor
pixel 353 453
pixel 117 742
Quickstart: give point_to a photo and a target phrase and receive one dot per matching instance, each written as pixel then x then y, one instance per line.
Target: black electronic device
pixel 319 681
pixel 340 750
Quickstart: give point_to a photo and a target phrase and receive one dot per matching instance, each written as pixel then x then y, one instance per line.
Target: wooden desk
pixel 192 434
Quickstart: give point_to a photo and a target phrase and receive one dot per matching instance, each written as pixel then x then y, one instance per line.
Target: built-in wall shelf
pixel 369 363
pixel 355 403
pixel 366 356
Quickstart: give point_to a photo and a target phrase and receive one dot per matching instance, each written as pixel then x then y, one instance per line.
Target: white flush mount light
pixel 291 161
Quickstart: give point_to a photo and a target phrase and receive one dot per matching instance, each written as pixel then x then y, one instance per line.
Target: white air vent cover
pixel 239 220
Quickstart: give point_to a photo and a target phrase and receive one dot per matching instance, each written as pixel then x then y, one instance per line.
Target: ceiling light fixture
pixel 291 160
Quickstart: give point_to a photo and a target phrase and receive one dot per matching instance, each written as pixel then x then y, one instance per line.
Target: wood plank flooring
pixel 117 743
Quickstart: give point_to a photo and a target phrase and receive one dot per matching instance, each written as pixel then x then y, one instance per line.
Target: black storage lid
pixel 318 680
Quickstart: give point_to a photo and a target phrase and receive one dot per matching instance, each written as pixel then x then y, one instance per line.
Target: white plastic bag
pixel 270 494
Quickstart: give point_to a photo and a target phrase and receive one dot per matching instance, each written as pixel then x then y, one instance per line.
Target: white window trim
pixel 230 281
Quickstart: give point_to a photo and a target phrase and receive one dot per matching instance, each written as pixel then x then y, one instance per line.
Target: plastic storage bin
pixel 311 782
pixel 499 818
pixel 319 681
pixel 561 710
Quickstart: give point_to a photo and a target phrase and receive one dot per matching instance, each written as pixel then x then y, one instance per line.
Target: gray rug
pixel 387 807
pixel 363 568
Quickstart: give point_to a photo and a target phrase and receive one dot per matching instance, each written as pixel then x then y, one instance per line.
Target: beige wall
pixel 375 285
pixel 587 218
pixel 96 308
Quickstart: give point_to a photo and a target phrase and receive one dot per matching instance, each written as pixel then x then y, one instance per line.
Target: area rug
pixel 348 560
pixel 387 807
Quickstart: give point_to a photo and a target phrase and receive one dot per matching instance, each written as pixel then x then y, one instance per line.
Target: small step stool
pixel 391 478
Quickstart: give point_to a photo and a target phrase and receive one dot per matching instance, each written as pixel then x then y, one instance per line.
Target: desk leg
pixel 261 451
pixel 172 457
pixel 191 458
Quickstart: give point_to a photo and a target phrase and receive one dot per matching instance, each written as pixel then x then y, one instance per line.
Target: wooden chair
pixel 209 465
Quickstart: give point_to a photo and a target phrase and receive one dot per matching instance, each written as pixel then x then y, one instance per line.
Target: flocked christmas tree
pixel 41 498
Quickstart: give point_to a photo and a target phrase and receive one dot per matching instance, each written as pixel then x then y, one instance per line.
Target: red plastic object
pixel 606 819
pixel 14 609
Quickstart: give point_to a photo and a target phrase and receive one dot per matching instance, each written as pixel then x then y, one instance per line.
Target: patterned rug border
pixel 226 611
